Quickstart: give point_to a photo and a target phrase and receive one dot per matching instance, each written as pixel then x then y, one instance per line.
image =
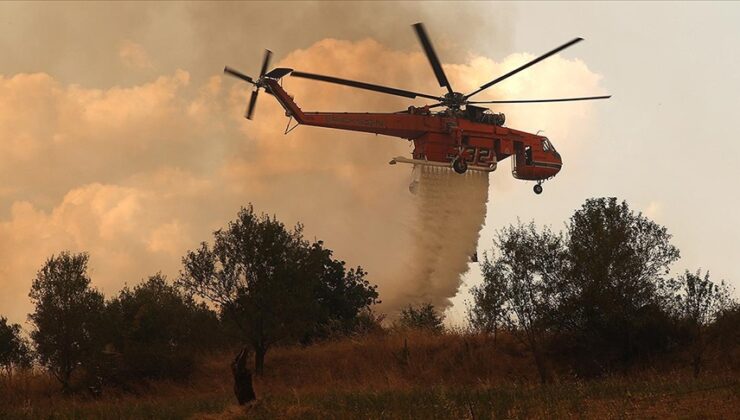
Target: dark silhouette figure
pixel 242 378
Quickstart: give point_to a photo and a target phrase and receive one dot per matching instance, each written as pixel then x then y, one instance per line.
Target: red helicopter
pixel 461 136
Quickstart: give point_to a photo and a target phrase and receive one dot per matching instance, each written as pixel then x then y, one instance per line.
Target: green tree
pixel 613 294
pixel 518 286
pixel 343 296
pixel 272 283
pixel 698 304
pixel 422 317
pixel 726 331
pixel 67 315
pixel 488 312
pixel 158 330
pixel 14 350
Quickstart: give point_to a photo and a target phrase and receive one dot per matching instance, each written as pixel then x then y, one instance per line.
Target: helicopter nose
pixel 556 165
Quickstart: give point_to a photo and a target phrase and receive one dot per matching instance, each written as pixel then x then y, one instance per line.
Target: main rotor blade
pixel 238 74
pixel 525 66
pixel 363 85
pixel 265 62
pixel 252 102
pixel 527 101
pixel 432 56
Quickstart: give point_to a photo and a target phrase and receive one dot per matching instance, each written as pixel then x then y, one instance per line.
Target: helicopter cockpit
pixel 548 147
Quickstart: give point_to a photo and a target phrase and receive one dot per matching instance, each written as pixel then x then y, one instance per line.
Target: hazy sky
pixel 119 136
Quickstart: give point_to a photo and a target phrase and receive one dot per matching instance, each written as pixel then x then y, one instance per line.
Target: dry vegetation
pixel 567 308
pixel 398 375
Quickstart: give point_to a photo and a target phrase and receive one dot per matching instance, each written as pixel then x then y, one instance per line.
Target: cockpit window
pixel 546 145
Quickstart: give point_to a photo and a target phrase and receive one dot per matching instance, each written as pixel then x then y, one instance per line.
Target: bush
pixel 158 330
pixel 14 350
pixel 422 317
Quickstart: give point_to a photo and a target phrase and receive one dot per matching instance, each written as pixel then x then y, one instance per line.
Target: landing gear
pixel 459 165
pixel 537 189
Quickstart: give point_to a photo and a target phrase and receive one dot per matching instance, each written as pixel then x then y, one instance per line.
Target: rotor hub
pixel 454 100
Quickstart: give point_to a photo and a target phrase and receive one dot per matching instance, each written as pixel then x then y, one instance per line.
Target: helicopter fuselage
pixel 439 139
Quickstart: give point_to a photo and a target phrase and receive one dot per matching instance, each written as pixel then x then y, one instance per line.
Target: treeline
pixel 598 298
pixel 260 284
pixel 595 299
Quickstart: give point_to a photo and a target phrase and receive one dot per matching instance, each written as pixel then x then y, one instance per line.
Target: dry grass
pixel 381 363
pixel 437 376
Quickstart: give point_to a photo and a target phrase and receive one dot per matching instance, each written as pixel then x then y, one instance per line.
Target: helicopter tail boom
pixel 396 125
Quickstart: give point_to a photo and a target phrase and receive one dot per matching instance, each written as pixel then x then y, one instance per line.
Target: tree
pixel 14 350
pixel 67 315
pixel 697 304
pixel 487 313
pixel 343 296
pixel 157 330
pixel 272 283
pixel 422 317
pixel 613 294
pixel 517 287
pixel 726 331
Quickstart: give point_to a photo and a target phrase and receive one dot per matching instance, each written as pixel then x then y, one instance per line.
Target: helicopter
pixel 460 135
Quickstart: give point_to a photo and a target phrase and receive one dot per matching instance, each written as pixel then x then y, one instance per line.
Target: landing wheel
pixel 459 165
pixel 538 189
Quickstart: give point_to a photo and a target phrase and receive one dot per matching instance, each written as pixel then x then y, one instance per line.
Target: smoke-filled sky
pixel 119 135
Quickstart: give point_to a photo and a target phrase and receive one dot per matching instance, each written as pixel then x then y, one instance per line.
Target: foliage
pixel 67 316
pixel 699 300
pixel 341 295
pixel 422 317
pixel 272 283
pixel 14 350
pixel 597 296
pixel 487 313
pixel 725 331
pixel 368 322
pixel 614 291
pixel 157 330
pixel 697 303
pixel 518 287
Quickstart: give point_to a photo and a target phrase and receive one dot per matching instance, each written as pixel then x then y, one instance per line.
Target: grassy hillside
pixel 398 375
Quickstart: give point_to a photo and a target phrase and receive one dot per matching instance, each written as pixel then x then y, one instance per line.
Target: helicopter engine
pixel 494 118
pixel 484 115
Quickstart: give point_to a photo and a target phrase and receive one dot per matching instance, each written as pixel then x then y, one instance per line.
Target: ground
pixel 437 376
